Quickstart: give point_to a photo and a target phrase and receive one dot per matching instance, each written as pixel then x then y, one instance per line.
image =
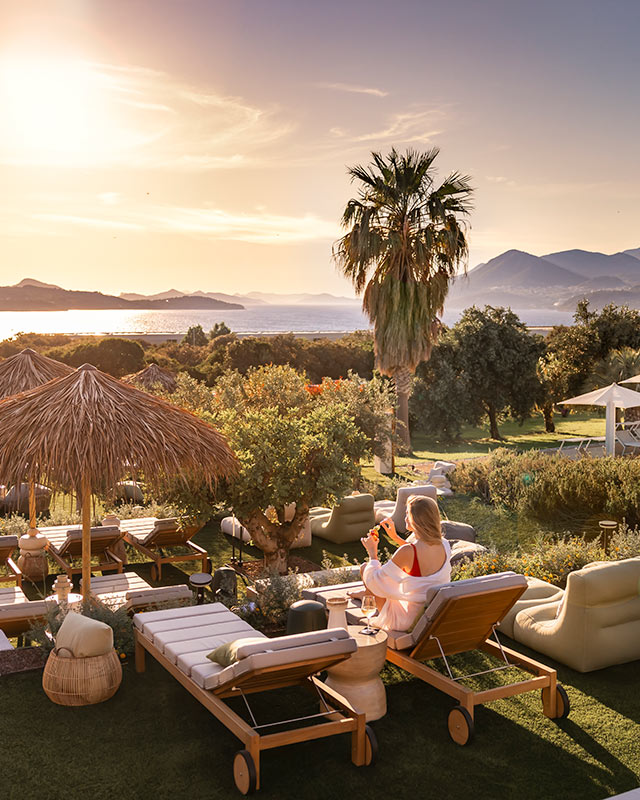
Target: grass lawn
pixel 153 740
pixel 531 434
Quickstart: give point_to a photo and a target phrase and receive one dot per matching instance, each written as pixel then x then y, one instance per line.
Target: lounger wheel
pixel 209 568
pixel 370 746
pixel 461 727
pixel 563 706
pixel 244 772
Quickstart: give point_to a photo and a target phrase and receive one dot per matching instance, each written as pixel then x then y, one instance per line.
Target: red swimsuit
pixel 415 567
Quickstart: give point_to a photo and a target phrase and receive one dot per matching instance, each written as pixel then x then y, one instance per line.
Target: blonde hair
pixel 424 516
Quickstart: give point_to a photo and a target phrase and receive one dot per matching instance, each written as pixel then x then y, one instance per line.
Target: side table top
pixel 364 640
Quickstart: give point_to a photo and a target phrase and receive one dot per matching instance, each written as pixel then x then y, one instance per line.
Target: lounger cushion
pixel 83 637
pixel 227 653
pixel 27 610
pixel 187 636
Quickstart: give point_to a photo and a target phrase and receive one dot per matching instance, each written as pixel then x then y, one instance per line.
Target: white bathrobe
pixel 405 594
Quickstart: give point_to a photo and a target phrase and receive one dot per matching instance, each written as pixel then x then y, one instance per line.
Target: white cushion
pixel 142 619
pixel 84 637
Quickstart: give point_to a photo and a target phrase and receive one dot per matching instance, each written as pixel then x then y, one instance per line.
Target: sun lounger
pixel 129 590
pixel 628 441
pixel 66 546
pixel 8 544
pixel 180 639
pixel 458 617
pixel 17 613
pixel 152 536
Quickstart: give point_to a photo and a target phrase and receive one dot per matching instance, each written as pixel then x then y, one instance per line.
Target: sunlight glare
pixel 53 112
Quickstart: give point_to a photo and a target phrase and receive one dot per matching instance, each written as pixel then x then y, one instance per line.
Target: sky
pixel 198 144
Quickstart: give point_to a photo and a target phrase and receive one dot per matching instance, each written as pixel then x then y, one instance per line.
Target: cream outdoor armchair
pixel 596 625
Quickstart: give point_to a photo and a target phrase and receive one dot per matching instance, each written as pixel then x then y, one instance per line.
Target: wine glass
pixel 369 608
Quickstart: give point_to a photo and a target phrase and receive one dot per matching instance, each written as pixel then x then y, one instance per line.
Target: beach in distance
pixel 257 319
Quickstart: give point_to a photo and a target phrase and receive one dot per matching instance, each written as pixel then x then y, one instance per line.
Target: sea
pixel 307 319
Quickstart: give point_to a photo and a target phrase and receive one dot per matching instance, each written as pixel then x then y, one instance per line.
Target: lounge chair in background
pixel 152 537
pixel 180 640
pixel 129 590
pixel 397 510
pixel 65 546
pixel 346 522
pixel 17 613
pixel 10 570
pixel 628 441
pixel 16 500
pixel 594 624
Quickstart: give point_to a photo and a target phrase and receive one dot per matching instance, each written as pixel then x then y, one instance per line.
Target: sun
pixel 54 111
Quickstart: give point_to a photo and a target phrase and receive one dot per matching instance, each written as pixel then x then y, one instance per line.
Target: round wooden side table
pixel 358 678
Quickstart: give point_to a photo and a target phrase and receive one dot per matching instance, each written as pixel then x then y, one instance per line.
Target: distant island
pixel 557 281
pixel 32 295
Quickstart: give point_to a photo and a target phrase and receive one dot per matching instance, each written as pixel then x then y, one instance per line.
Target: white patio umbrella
pixel 611 397
pixel 634 379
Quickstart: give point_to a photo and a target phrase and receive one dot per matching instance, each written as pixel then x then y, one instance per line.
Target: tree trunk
pixel 547 413
pixel 402 379
pixel 275 538
pixel 494 433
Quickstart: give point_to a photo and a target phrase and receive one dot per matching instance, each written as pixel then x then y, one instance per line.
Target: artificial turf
pixel 153 740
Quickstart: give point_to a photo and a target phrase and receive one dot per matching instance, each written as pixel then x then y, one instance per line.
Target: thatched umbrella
pixel 152 376
pixel 23 371
pixel 84 432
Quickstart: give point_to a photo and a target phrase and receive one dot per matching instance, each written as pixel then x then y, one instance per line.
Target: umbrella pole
pixel 86 538
pixel 610 429
pixel 32 508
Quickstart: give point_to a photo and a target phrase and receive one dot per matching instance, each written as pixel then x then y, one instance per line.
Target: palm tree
pixel 405 242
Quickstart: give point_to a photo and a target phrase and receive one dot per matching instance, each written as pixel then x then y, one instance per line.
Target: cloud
pixel 258 227
pixel 136 118
pixel 501 180
pixel 405 127
pixel 347 87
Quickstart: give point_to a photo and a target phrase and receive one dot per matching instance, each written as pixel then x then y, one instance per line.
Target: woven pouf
pixel 81 681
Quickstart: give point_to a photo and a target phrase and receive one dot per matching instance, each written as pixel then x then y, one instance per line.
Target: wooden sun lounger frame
pixel 171 538
pixel 465 623
pixel 247 771
pixel 110 561
pixel 14 572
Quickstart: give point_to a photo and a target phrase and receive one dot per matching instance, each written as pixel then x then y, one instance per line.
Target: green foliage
pixel 550 561
pixel 318 358
pixel 118 619
pixel 441 402
pixel 116 356
pixel 195 337
pixel 618 365
pixel 219 329
pixel 546 487
pixel 484 366
pixel 275 596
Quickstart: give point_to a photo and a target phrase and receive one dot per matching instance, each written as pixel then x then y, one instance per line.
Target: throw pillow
pixel 227 653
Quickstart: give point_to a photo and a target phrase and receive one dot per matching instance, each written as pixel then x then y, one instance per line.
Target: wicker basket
pixel 81 681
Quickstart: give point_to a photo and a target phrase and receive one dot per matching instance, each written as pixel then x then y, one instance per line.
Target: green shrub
pixel 119 620
pixel 548 487
pixel 550 560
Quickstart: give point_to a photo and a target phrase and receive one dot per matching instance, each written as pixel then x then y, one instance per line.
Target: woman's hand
pixel 370 544
pixel 390 528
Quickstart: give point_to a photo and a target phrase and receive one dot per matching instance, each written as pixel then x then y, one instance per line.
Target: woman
pixel 401 585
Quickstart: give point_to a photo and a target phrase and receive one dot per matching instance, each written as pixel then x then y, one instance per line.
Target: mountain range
pixel 252 298
pixel 554 281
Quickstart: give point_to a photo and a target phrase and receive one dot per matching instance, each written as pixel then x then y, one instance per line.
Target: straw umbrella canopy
pixel 153 376
pixel 611 397
pixel 85 431
pixel 19 373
